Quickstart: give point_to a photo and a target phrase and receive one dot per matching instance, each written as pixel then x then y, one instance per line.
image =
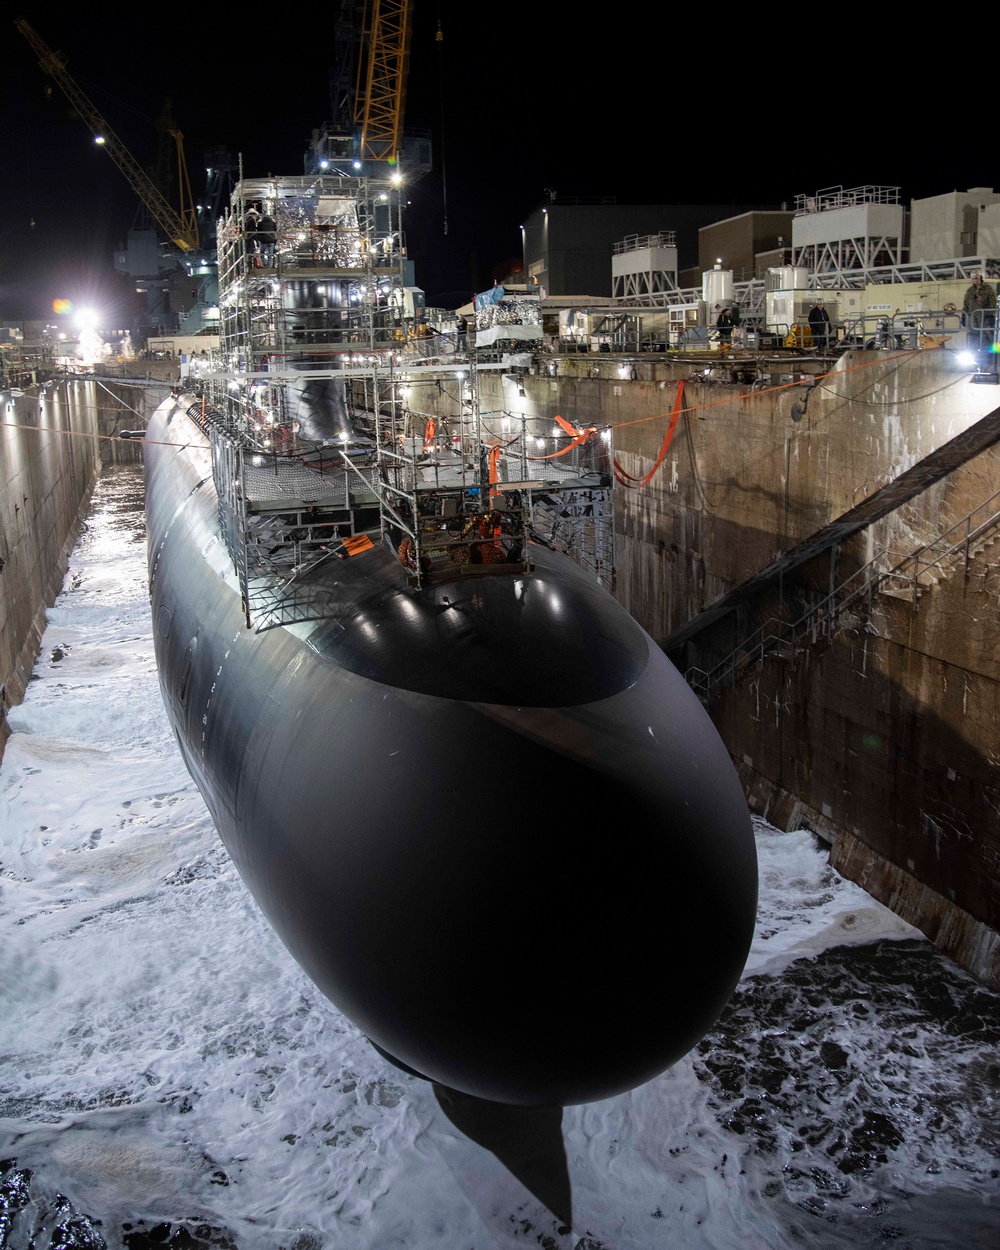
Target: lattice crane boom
pixel 181 228
pixel 382 78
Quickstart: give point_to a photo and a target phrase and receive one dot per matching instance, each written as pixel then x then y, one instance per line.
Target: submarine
pixel 478 805
pixel 488 818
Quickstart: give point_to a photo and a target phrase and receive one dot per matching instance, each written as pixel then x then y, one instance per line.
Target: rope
pixel 109 438
pixel 581 436
pixel 769 390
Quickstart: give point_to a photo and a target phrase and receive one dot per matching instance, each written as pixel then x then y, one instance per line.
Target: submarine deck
pixel 282 484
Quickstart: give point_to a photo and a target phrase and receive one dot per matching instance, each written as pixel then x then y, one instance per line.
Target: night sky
pixel 532 97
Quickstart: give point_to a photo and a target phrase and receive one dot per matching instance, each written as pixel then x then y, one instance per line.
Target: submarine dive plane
pixel 479 806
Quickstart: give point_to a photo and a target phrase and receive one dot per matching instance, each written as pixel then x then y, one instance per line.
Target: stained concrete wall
pixel 885 741
pixel 747 474
pixel 747 477
pixel 50 454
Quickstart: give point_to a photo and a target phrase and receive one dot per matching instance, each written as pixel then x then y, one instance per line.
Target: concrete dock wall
pixel 883 740
pixel 50 455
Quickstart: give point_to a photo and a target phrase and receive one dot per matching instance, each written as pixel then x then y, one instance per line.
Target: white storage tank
pixel 788 278
pixel 717 288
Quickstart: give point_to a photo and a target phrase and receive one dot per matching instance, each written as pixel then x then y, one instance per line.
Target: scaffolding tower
pixel 321 445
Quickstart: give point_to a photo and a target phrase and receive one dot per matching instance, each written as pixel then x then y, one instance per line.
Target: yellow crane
pixel 382 78
pixel 181 227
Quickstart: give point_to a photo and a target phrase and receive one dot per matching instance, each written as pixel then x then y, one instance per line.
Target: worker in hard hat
pixel 819 325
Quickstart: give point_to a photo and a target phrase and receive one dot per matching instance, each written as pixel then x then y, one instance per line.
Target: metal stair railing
pixel 773 633
pixel 959 538
pixel 865 582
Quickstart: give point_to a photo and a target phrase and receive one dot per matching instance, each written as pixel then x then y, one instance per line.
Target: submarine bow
pixel 487 817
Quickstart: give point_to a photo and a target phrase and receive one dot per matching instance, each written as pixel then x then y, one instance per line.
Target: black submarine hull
pixel 489 819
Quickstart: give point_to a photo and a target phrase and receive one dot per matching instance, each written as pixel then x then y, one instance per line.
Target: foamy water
pixel 168 1075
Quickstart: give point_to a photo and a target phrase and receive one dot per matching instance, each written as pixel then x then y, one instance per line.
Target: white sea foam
pixel 805 907
pixel 164 1059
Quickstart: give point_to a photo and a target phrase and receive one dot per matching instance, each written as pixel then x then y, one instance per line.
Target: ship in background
pixel 461 782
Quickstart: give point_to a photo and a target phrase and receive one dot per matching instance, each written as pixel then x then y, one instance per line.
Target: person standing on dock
pixel 979 313
pixel 724 324
pixel 267 238
pixel 251 224
pixel 819 325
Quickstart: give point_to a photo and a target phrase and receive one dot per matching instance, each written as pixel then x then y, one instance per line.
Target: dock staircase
pixel 886 573
pixel 889 572
pixel 946 554
pixel 985 433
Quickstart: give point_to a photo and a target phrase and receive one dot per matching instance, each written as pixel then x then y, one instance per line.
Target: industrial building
pixel 567 240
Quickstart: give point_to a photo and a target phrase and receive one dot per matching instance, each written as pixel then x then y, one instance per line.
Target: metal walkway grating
pixel 280 485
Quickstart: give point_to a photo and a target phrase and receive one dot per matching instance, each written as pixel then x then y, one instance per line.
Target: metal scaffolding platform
pixel 279 483
pixel 319 445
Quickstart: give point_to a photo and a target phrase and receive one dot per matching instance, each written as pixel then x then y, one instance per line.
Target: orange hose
pixel 635 483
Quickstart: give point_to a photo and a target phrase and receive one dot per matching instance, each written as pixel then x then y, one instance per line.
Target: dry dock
pixel 816 552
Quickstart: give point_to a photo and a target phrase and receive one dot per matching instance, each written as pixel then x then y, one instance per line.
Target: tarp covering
pixel 493 296
pixel 496 334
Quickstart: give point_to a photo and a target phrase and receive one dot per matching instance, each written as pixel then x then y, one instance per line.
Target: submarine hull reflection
pixel 489 819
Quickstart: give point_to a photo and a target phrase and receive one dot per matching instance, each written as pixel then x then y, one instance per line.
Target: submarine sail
pixel 477 803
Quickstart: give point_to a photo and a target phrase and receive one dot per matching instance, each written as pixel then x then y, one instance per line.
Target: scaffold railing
pixel 845 197
pixel 316 439
pixel 639 242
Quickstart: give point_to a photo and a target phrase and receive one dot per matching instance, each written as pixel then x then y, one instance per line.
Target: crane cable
pixel 106 438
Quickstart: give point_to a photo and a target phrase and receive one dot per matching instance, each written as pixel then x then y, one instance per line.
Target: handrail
pixel 773 633
pixel 638 242
pixel 838 197
pixel 753 648
pixel 971 535
pixel 898 329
